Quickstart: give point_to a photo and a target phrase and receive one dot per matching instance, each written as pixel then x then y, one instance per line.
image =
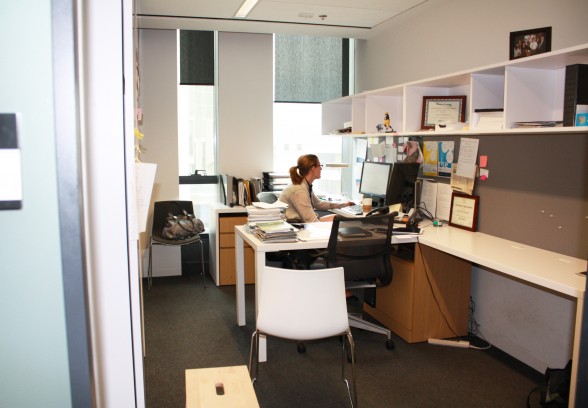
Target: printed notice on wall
pixel 468 152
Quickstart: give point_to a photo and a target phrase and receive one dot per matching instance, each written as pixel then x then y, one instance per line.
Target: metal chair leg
pixel 352 395
pixel 202 263
pixel 254 352
pixel 149 279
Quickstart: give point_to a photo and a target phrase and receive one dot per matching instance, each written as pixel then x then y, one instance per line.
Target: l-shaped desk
pixel 545 269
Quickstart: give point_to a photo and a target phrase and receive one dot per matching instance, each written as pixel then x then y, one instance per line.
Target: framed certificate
pixel 442 110
pixel 464 211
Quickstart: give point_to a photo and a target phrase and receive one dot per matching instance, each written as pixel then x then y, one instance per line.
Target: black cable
pixel 474 327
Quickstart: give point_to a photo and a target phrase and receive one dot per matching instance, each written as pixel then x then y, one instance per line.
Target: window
pixel 197 113
pixel 308 71
pixel 297 131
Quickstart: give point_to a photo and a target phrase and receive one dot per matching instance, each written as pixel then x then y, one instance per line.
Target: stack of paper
pixel 266 212
pixel 489 119
pixel 275 231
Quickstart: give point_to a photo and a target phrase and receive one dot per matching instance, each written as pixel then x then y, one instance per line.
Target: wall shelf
pixel 527 89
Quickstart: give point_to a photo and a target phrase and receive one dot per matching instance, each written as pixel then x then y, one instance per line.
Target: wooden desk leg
pixel 576 351
pixel 260 263
pixel 240 279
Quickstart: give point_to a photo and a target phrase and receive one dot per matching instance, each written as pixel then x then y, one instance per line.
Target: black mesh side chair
pixel 362 246
pixel 160 212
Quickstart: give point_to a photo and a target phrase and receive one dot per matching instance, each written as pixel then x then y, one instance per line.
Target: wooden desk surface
pixel 201 388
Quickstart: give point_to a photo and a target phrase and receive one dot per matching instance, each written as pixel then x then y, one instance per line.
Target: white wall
pixel 245 107
pixel 159 100
pixel 446 36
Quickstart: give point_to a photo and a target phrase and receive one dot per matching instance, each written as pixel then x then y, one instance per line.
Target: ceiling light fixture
pixel 246 8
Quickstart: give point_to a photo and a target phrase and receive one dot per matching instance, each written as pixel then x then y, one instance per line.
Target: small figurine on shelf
pixel 387 127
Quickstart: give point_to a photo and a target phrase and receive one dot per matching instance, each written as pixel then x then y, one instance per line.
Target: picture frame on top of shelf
pixel 529 42
pixel 442 110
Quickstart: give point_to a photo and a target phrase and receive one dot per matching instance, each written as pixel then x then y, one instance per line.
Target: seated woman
pixel 302 202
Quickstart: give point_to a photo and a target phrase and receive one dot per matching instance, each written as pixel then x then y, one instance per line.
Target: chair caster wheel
pixel 390 344
pixel 301 347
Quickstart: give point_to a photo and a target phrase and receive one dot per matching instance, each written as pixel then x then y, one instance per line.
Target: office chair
pixel 267 197
pixel 281 314
pixel 362 246
pixel 160 212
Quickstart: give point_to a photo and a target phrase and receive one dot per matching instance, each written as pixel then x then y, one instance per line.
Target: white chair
pixel 282 314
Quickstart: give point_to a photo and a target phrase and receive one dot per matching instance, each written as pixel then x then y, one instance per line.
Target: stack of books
pixel 274 231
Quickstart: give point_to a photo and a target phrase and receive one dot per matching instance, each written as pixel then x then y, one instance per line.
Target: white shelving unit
pixel 528 89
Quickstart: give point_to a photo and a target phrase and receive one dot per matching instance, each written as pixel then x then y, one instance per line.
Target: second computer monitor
pixel 401 186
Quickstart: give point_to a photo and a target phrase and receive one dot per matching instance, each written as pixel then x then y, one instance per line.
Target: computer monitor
pixel 401 187
pixel 375 179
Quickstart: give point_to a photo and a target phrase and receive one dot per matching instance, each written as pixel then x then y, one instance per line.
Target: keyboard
pixel 352 209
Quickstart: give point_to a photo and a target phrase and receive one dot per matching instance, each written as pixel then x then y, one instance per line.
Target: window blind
pixel 310 69
pixel 196 57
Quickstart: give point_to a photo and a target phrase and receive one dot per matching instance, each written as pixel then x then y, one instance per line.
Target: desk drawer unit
pixel 427 298
pixel 227 267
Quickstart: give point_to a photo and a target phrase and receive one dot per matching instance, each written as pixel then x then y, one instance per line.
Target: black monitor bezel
pixel 372 194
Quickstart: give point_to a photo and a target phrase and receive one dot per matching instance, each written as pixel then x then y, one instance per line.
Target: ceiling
pixel 360 19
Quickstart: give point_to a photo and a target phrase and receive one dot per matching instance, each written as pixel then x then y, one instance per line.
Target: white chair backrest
pixel 302 304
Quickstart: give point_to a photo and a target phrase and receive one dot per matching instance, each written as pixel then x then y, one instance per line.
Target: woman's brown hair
pixel 304 165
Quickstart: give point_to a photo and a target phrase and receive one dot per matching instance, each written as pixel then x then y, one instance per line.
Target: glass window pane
pixel 298 131
pixel 196 129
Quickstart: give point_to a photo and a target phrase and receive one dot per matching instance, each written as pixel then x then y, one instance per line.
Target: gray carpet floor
pixel 189 326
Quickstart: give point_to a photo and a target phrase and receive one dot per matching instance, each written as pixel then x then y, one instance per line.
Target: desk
pixel 261 248
pixel 545 269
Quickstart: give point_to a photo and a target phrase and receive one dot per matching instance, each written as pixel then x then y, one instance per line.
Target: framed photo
pixel 464 211
pixel 530 42
pixel 442 110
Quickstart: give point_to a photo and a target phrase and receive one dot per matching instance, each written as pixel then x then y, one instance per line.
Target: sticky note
pixel 484 173
pixel 483 161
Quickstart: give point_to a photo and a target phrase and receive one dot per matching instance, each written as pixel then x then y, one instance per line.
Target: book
pixel 575 92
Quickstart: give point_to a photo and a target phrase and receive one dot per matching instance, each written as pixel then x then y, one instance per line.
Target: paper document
pixel 463 184
pixel 444 192
pixel 436 198
pixel 429 196
pixel 445 159
pixel 468 152
pixel 430 152
pixel 315 231
pixel 276 204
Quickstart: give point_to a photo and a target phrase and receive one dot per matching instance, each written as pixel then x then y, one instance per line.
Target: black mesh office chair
pixel 160 212
pixel 362 246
